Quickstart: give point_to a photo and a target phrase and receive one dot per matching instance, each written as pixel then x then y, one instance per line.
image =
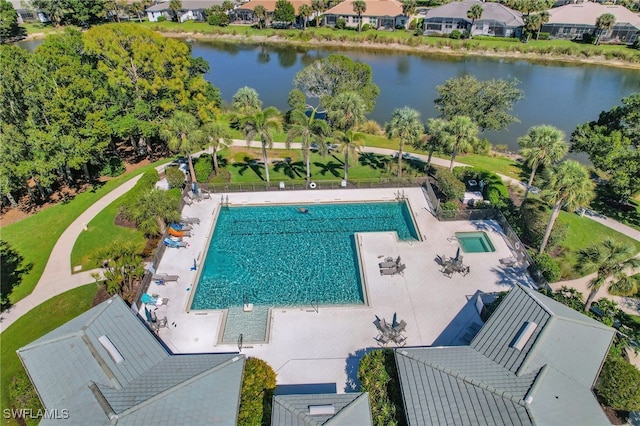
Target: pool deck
pixel 323 346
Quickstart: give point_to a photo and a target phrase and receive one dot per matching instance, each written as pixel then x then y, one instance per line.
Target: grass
pixel 47 226
pixel 497 164
pixel 34 324
pixel 35 28
pixel 583 232
pixel 103 229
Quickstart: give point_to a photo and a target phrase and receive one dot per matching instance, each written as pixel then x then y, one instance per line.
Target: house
pixel 380 14
pixel 496 20
pixel 26 13
pixel 195 10
pixel 535 361
pixel 106 367
pixel 573 20
pixel 345 409
pixel 245 11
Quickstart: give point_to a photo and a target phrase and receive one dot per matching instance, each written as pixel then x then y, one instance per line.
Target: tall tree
pixel 284 12
pixel 260 14
pixel 568 185
pixel 532 23
pixel 434 138
pixel 613 145
pixel 359 7
pixel 304 12
pixel 228 6
pixel 318 7
pixel 175 6
pixel 56 10
pixel 487 103
pixel 541 147
pixel 326 78
pixel 349 143
pixel 153 211
pixel 137 7
pixel 246 101
pixel 544 18
pixel 217 134
pixel 409 8
pixel 459 133
pixel 262 123
pixel 183 135
pixel 405 125
pixel 474 13
pixel 603 24
pixel 308 130
pixel 614 264
pixel 346 111
pixel 123 268
pixel 8 21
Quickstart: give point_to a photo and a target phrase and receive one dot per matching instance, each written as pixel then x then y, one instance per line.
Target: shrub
pixel 483 146
pixel 175 177
pixel 378 375
pixel 219 19
pixel 455 34
pixel 113 167
pixel 341 24
pixel 203 168
pixel 370 127
pixel 450 205
pixel 258 384
pixel 533 223
pixel 544 36
pixel 450 186
pixel 547 266
pixel 618 384
pixel 161 18
pixel 365 27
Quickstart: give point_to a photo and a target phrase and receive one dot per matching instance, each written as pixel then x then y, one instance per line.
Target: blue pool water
pixel 277 256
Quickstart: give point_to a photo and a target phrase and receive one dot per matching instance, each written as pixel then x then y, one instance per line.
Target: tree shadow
pixel 329 167
pixel 351 369
pixel 291 169
pixel 11 271
pixel 249 164
pixel 375 161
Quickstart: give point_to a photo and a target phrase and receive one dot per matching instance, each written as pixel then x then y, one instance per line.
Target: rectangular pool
pixel 279 256
pixel 475 242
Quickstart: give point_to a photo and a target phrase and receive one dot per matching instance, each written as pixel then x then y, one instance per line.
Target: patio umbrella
pixel 148 314
pixel 457 254
pixel 394 323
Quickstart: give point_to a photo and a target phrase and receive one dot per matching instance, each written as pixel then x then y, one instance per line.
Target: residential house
pixel 573 20
pixel 192 10
pixel 106 367
pixel 245 12
pixel 345 409
pixel 535 361
pixel 26 13
pixel 496 20
pixel 380 14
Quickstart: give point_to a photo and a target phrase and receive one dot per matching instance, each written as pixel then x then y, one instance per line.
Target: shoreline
pixel 390 47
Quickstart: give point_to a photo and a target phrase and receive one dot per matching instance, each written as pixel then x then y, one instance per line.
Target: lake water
pixel 562 95
pixel 558 94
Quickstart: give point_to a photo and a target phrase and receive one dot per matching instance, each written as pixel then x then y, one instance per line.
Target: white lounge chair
pixel 165 278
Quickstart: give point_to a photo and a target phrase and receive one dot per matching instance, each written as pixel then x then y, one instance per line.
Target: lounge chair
pixel 174 244
pixel 387 264
pixel 164 278
pixel 205 194
pixel 389 271
pixel 187 201
pixel 192 196
pixel 190 220
pixel 509 261
pixel 180 227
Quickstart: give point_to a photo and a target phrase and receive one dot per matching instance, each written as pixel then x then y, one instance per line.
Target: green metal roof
pixel 348 409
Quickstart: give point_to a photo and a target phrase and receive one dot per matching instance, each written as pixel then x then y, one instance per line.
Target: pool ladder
pixel 224 202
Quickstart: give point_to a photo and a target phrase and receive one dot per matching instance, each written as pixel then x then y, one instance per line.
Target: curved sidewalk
pixel 57 277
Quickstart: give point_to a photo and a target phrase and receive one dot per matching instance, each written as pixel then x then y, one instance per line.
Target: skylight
pixel 523 336
pixel 114 353
pixel 322 410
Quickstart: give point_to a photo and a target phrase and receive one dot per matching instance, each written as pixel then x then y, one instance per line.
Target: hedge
pixel 258 385
pixel 378 375
pixel 618 384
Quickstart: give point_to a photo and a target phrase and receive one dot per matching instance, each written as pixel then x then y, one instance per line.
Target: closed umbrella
pixel 148 314
pixel 457 254
pixel 394 323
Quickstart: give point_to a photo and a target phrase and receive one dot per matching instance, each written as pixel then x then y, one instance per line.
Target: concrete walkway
pixel 58 278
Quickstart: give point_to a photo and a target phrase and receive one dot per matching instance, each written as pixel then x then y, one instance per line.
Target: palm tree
pixel 246 101
pixel 434 136
pixel 318 6
pixel 459 133
pixel 175 6
pixel 603 24
pixel 262 123
pixel 152 211
pixel 217 135
pixel 227 6
pixel 260 13
pixel 532 23
pixel 542 146
pixel 137 7
pixel 308 130
pixel 474 13
pixel 304 11
pixel 123 267
pixel 183 135
pixel 409 8
pixel 568 185
pixel 359 7
pixel 406 126
pixel 613 263
pixel 349 143
pixel 346 111
pixel 544 18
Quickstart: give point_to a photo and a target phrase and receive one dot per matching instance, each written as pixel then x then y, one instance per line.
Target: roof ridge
pixel 347 408
pixel 471 380
pixel 182 384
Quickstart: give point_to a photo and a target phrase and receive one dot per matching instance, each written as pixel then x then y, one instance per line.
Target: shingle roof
pixel 186 5
pixel 71 368
pixel 293 410
pixel 374 8
pixel 547 381
pixel 270 5
pixel 490 12
pixel 588 12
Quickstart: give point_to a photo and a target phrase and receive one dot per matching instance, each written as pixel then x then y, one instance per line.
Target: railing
pixel 315 185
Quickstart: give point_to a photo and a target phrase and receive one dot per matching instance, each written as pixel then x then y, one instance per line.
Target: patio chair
pixel 190 220
pixel 205 194
pixel 447 271
pixel 382 340
pixel 509 261
pixel 193 196
pixel 400 340
pixel 180 227
pixel 175 244
pixel 400 327
pixel 164 278
pixel 187 201
pixel 387 264
pixel 389 271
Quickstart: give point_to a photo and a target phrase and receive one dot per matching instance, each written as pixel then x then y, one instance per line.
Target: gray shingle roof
pixel 186 5
pixel 293 410
pixel 490 12
pixel 548 381
pixel 72 369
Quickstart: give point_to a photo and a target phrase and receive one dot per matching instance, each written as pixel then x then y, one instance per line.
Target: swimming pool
pixel 278 256
pixel 475 242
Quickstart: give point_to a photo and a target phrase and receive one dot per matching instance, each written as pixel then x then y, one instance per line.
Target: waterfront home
pixel 244 13
pixel 380 14
pixel 194 10
pixel 573 20
pixel 106 367
pixel 496 20
pixel 26 13
pixel 535 361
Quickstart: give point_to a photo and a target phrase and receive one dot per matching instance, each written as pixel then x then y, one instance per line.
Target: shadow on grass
pixel 249 164
pixel 375 161
pixel 291 169
pixel 329 167
pixel 11 271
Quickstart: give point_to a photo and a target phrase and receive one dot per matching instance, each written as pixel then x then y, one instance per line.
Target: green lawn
pixel 583 232
pixel 34 28
pixel 497 164
pixel 46 227
pixel 34 324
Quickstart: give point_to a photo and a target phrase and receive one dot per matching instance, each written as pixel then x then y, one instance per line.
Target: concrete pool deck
pixel 323 346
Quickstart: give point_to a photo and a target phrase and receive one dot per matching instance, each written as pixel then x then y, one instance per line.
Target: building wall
pixel 624 33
